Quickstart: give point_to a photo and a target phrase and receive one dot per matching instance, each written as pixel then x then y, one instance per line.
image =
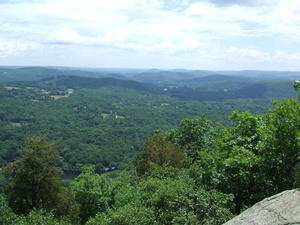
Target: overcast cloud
pixel 207 34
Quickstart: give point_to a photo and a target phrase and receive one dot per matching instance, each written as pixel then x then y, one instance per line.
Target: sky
pixel 162 34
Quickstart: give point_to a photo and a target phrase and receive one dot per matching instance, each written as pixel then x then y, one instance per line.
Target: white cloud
pixel 186 46
pixel 246 52
pixel 67 36
pixel 282 56
pixel 10 48
pixel 252 3
pixel 199 30
pixel 167 47
pixel 200 8
pixel 281 27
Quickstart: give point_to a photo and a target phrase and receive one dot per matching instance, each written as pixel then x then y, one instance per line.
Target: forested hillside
pixel 176 159
pixel 99 122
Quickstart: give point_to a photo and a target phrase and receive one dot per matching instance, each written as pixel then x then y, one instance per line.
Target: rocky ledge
pixel 280 209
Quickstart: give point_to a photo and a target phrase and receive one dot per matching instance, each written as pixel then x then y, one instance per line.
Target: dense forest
pixel 189 151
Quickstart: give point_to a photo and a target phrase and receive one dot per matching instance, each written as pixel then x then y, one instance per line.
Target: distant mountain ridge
pixel 36 73
pixel 161 76
pixel 199 85
pixel 220 78
pixel 92 82
pixel 259 90
pixel 15 73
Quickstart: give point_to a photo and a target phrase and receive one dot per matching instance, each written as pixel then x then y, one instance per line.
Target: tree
pixel 93 192
pixel 177 199
pixel 6 214
pixel 194 136
pixel 159 151
pixel 127 215
pixel 280 144
pixel 33 181
pixel 39 217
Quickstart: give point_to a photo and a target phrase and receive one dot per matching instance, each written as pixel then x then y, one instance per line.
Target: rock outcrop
pixel 280 209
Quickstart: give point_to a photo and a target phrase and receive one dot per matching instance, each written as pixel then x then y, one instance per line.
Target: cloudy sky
pixel 165 34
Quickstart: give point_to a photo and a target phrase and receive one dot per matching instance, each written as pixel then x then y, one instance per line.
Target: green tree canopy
pixel 160 151
pixel 93 192
pixel 33 181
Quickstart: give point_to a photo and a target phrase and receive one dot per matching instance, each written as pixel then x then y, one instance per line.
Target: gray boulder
pixel 280 209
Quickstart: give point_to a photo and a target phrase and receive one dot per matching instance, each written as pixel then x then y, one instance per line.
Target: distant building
pixel 70 91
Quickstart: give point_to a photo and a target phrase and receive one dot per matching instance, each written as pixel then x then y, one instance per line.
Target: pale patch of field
pixel 58 96
pixel 19 124
pixel 11 88
pixel 104 115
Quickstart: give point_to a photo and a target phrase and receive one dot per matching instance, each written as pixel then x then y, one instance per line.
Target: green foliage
pixel 241 162
pixel 2 182
pixel 33 181
pixel 177 199
pixel 198 173
pixel 104 126
pixel 255 158
pixel 67 208
pixel 297 176
pixel 159 151
pixel 194 135
pixel 93 192
pixel 127 191
pixel 280 144
pixel 166 196
pixel 7 216
pixel 126 215
pixel 36 217
pixel 6 213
